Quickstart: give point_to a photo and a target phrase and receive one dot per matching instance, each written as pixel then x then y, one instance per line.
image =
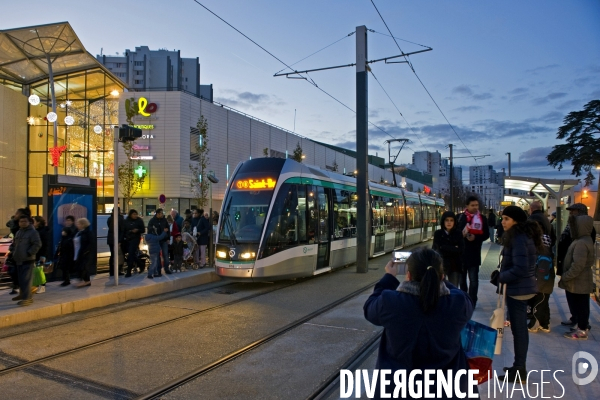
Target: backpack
pixel 544 274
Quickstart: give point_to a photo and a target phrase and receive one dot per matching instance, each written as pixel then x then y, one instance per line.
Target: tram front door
pixel 318 222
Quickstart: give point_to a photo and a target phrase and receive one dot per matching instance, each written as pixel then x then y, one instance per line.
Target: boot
pixel 515 375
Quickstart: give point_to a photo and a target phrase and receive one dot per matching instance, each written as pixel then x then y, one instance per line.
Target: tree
pixel 266 152
pixel 297 156
pixel 198 182
pixel 131 173
pixel 581 130
pixel 335 166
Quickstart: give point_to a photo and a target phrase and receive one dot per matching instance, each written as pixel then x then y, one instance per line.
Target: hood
pixel 583 226
pixel 448 214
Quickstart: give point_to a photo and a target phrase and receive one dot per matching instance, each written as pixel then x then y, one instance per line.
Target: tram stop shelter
pixel 541 189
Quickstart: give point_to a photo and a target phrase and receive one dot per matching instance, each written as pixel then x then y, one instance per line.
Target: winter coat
pixel 450 245
pixel 203 231
pixel 44 233
pixel 472 253
pixel 178 248
pixel 179 221
pixel 130 224
pixel 63 257
pixel 414 340
pixel 120 226
pixel 153 241
pixel 25 245
pixel 158 225
pixel 491 220
pixel 517 268
pixel 539 217
pixel 577 275
pixel 86 254
pixel 563 246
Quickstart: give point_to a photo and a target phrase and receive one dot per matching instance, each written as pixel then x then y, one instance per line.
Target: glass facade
pixel 89 98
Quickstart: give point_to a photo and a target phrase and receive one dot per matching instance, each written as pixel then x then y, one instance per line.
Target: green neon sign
pixel 140 171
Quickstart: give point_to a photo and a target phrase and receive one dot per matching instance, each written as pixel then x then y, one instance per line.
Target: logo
pixel 305 250
pixel 145 108
pixel 582 367
pixel 231 253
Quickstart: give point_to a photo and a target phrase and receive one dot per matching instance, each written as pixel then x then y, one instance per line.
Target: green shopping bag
pixel 39 278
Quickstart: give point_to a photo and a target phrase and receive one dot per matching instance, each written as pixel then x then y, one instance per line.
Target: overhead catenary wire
pixel 306 78
pixel 421 82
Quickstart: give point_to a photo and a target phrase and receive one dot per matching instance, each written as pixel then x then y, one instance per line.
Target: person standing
pixel 544 272
pixel 177 218
pixel 449 243
pixel 39 223
pixel 134 228
pixel 64 255
pixel 522 241
pixel 154 248
pixel 565 239
pixel 492 224
pixel 474 228
pixel 156 226
pixel 115 250
pixel 577 278
pixel 83 244
pixel 24 248
pixel 203 238
pixel 423 318
pixel 70 223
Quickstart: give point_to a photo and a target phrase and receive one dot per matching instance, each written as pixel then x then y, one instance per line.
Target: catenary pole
pixel 509 173
pixel 115 265
pixel 451 179
pixel 362 176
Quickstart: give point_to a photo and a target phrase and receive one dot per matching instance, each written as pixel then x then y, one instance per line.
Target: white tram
pixel 281 219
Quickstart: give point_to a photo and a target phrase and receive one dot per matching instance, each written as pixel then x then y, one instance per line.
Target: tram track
pixel 189 377
pixel 41 360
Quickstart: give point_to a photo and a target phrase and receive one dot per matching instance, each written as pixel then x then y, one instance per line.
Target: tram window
pixel 378 206
pixel 244 215
pixel 413 214
pixel 283 230
pixel 400 214
pixel 323 222
pixel 342 214
pixel 390 215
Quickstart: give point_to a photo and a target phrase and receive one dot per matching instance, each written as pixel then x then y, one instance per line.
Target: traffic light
pixel 128 133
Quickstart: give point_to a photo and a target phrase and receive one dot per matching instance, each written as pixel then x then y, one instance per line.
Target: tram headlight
pixel 248 255
pixel 221 254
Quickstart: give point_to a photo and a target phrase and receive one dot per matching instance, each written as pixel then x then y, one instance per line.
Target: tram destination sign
pixel 255 184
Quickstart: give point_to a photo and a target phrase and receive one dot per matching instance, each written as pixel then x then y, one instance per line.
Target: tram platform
pixel 57 300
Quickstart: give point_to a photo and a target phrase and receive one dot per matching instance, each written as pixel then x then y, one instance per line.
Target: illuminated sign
pixel 255 184
pixel 147 127
pixel 140 171
pixel 507 203
pixel 139 147
pixel 147 137
pixel 142 158
pixel 145 108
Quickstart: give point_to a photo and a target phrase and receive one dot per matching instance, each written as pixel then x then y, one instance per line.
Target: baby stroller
pixel 191 247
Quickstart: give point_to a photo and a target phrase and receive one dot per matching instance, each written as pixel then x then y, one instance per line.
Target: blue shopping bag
pixel 479 342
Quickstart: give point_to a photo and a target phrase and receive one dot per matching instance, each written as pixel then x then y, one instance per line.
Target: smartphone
pixel 400 258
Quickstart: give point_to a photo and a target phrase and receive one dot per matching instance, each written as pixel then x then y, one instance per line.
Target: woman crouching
pixel 422 318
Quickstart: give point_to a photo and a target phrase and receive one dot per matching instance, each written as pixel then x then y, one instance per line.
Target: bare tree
pixel 198 182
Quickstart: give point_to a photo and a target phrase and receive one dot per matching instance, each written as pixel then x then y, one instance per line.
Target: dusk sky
pixel 505 73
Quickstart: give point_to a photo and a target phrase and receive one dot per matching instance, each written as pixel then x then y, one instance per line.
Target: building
pixel 490 194
pixel 157 70
pixel 457 176
pixel 433 164
pixel 481 174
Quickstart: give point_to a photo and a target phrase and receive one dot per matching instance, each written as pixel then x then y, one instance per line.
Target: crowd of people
pixel 423 316
pixel 168 238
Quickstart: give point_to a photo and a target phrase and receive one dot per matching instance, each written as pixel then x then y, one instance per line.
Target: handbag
pixel 39 278
pixel 497 318
pixel 478 342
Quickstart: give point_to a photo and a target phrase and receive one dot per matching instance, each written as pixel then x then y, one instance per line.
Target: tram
pixel 281 219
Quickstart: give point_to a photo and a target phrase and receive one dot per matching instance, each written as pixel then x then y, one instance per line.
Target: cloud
pixel 506 129
pixel 468 108
pixel 248 100
pixel 571 105
pixel 520 90
pixel 552 117
pixel 536 71
pixel 253 97
pixel 467 91
pixel 552 96
pixel 463 89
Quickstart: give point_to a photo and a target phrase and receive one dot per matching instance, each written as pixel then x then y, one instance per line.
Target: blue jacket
pixel 517 268
pixel 153 241
pixel 414 340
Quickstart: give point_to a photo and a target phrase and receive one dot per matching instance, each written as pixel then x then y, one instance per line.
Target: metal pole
pixel 362 178
pixel 451 180
pixel 389 142
pixel 53 97
pixel 509 173
pixel 116 206
pixel 211 253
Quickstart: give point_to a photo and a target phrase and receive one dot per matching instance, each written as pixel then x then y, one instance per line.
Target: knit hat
pixel 515 213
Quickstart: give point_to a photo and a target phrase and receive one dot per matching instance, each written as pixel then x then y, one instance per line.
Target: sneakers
pixel 41 289
pixel 84 284
pixel 545 330
pixel 150 277
pixel 25 302
pixel 576 335
pixel 13 292
pixel 569 323
pixel 589 327
pixel 515 374
pixel 17 298
pixel 537 327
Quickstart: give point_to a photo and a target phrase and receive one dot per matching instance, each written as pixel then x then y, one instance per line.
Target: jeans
pixel 517 311
pixel 541 310
pixel 154 268
pixel 492 235
pixel 164 249
pixel 473 272
pixel 454 278
pixel 579 305
pixel 25 272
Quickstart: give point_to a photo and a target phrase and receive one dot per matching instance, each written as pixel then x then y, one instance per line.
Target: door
pixel 318 213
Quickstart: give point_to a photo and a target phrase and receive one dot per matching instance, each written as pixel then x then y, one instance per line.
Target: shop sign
pixel 140 147
pixel 145 108
pixel 142 158
pixel 147 137
pixel 146 127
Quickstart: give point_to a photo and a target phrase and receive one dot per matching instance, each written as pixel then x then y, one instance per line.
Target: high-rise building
pixel 457 175
pixel 481 174
pixel 432 163
pixel 157 70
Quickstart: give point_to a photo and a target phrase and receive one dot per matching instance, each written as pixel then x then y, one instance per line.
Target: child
pixel 178 246
pixel 449 243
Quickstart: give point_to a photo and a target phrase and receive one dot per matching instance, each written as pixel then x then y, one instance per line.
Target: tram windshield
pixel 244 215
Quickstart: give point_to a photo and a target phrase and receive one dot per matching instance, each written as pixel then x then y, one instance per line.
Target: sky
pixel 504 74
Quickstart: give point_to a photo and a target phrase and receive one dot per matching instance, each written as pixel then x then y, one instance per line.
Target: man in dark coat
pixel 492 223
pixel 473 240
pixel 203 237
pixel 134 228
pixel 565 238
pixel 26 244
pixel 156 226
pixel 111 238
